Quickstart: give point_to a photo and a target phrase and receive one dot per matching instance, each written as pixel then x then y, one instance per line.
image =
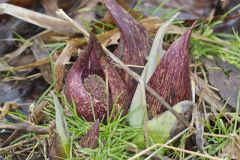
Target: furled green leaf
pixel 166 125
pixel 61 126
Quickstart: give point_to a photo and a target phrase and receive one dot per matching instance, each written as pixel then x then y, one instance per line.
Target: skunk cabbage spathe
pixel 86 85
pixel 171 79
pixel 134 44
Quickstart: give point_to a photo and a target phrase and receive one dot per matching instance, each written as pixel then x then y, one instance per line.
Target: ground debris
pixel 225 77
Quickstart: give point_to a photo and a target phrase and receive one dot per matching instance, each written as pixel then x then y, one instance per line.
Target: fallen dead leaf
pixel 210 96
pixel 190 8
pixel 225 77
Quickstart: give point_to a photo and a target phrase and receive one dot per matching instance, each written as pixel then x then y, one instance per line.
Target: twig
pixel 16 78
pixel 176 149
pixel 19 129
pixel 126 69
pixel 216 135
pixel 12 137
pixel 24 127
pixel 191 152
pixel 155 157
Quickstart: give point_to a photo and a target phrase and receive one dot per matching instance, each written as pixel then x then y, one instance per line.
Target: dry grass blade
pixel 168 142
pixel 176 149
pixel 16 53
pixel 5 149
pixel 152 24
pixel 10 56
pixel 157 22
pixel 27 66
pixel 45 21
pixel 20 78
pixel 147 150
pixel 128 70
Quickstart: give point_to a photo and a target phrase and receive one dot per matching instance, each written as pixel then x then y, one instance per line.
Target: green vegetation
pixel 118 140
